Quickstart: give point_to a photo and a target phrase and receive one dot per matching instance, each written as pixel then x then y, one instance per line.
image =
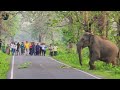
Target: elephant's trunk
pixel 79 53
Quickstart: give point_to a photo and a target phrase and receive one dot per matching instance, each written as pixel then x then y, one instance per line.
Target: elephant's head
pixel 85 41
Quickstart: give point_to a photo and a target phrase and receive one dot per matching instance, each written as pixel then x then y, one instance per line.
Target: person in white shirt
pixel 12 46
pixel 43 46
pixel 15 48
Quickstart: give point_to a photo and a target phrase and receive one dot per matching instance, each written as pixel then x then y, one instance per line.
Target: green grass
pixel 4 65
pixel 102 69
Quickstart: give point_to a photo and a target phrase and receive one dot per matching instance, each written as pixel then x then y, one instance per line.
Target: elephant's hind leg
pixel 114 63
pixel 113 60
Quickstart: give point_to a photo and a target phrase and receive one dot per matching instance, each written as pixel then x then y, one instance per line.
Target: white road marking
pixel 75 68
pixel 12 68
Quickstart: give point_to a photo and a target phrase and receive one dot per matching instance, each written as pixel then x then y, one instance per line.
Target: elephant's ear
pixel 91 39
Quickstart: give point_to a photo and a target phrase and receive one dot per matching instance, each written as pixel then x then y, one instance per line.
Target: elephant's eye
pixel 82 39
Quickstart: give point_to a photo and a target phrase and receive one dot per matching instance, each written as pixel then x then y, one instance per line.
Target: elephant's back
pixel 110 47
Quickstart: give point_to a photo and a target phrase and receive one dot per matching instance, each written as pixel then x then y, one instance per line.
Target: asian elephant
pixel 99 48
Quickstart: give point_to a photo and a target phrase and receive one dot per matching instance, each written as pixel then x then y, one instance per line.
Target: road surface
pixel 42 67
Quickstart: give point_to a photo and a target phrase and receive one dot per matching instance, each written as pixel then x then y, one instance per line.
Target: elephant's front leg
pixel 91 63
pixel 94 55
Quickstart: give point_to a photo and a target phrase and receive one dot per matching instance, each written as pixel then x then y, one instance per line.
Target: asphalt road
pixel 42 67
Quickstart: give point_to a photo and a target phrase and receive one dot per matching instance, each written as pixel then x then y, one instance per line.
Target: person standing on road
pixel 0 44
pixel 55 50
pixel 22 48
pixel 33 49
pixel 12 48
pixel 51 50
pixel 40 49
pixel 30 48
pixel 8 49
pixel 37 49
pixel 27 48
pixel 43 46
pixel 3 48
pixel 18 49
pixel 15 48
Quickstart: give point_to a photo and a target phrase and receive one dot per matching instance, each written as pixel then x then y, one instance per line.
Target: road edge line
pixel 12 68
pixel 75 68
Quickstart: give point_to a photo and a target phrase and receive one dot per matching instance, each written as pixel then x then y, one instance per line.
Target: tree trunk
pixel 118 39
pixel 104 24
pixel 39 37
pixel 78 30
pixel 87 22
pixel 85 14
pixel 70 26
pixel 0 26
pixel 52 37
pixel 101 23
pixel 119 27
pixel 12 39
pixel 107 29
pixel 78 34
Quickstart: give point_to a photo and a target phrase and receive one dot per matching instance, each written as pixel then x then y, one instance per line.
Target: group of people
pixel 53 50
pixel 30 48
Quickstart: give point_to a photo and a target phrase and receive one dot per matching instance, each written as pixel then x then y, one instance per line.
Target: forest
pixel 63 28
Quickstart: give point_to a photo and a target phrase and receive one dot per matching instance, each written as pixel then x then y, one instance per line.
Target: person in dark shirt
pixel 30 48
pixel 37 49
pixel 40 49
pixel 8 49
pixel 0 44
pixel 18 49
pixel 34 49
pixel 22 48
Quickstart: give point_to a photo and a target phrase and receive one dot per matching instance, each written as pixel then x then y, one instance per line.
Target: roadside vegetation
pixel 4 65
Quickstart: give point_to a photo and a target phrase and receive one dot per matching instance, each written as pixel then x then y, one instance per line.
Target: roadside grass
pixel 103 70
pixel 4 65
